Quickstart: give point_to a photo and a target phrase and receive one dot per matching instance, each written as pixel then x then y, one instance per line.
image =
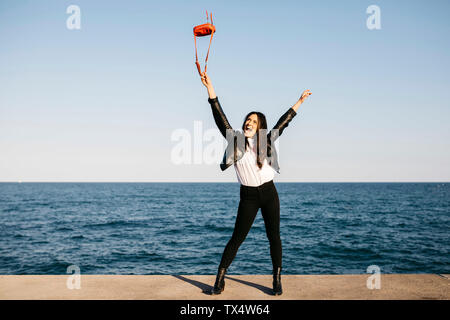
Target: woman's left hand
pixel 305 95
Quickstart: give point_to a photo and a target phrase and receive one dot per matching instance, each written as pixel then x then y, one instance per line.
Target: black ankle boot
pixel 219 286
pixel 277 289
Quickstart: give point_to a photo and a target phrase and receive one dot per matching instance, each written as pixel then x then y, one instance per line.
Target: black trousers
pixel 252 199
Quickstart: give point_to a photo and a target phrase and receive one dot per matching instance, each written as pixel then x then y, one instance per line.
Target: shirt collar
pixel 252 141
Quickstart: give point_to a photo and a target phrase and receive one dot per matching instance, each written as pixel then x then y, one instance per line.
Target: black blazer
pixel 236 138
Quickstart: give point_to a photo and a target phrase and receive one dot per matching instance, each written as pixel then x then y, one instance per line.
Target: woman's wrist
pixel 211 92
pixel 297 105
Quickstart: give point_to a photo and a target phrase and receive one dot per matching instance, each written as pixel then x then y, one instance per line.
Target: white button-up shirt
pixel 247 170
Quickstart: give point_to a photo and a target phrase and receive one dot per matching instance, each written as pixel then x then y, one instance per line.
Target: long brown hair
pixel 262 124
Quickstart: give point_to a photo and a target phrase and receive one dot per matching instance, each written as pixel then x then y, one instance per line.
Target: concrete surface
pixel 241 287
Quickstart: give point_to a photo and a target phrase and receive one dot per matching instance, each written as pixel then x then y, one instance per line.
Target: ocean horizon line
pixel 230 182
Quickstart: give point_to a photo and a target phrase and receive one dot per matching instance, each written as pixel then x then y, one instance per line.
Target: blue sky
pixel 101 103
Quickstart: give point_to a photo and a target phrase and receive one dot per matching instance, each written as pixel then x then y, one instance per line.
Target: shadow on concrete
pixel 264 289
pixel 206 289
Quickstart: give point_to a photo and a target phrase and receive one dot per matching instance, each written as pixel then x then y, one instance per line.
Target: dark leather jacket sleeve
pixel 282 123
pixel 219 116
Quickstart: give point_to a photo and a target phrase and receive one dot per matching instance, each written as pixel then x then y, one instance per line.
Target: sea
pixel 182 228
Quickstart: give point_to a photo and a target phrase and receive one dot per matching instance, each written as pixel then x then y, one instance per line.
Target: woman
pixel 255 162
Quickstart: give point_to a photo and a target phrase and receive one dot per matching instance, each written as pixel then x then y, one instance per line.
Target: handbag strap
pixel 207 55
pixel 196 57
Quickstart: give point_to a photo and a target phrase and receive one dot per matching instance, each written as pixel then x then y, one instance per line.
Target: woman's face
pixel 251 125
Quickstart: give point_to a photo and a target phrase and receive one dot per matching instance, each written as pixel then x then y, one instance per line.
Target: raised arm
pixel 304 95
pixel 218 114
pixel 283 122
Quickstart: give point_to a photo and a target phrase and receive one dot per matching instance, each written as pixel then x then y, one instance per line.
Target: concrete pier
pixel 238 287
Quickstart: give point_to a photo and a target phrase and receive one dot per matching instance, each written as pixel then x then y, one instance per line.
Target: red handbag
pixel 201 31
